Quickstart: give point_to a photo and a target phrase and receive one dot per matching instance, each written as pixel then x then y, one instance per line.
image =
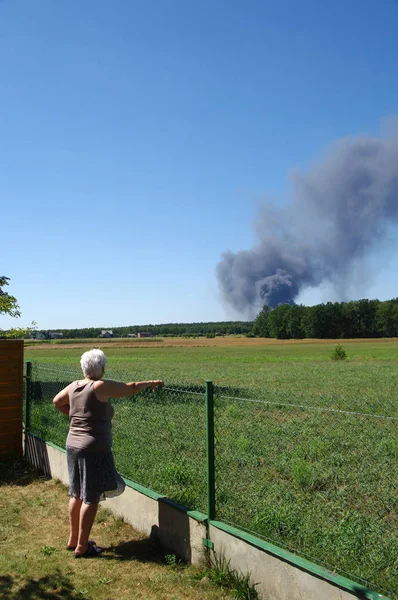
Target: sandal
pixel 91 552
pixel 74 547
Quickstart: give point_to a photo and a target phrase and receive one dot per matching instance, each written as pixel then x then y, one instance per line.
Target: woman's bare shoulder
pixel 112 389
pixel 104 383
pixel 101 390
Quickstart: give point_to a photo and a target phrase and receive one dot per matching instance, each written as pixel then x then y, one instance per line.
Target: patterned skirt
pixel 92 475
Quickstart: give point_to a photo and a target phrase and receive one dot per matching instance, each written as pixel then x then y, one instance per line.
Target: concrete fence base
pixel 279 574
pixel 277 578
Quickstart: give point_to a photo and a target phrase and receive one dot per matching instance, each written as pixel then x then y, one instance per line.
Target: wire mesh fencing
pixel 159 438
pixel 316 475
pixel 159 441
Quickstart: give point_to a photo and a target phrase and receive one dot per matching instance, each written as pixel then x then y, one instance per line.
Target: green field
pixel 306 448
pixel 371 367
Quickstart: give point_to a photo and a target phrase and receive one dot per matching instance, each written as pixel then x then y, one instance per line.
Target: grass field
pixel 306 448
pixel 34 564
pixel 286 365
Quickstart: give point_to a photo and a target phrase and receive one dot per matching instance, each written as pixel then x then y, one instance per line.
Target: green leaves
pixel 339 353
pixel 356 319
pixel 8 303
pixel 48 550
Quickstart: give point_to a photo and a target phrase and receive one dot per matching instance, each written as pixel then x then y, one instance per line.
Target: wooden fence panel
pixel 11 396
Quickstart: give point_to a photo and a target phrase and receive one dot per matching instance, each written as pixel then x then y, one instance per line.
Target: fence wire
pixel 159 438
pixel 315 475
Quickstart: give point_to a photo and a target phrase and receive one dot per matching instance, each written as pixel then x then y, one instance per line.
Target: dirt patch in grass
pixel 34 563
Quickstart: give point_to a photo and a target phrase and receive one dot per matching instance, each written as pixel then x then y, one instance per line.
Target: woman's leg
pixel 87 516
pixel 74 518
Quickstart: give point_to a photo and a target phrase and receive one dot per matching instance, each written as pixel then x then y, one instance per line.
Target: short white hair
pixel 92 363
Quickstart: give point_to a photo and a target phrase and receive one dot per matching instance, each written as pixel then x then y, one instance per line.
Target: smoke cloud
pixel 339 211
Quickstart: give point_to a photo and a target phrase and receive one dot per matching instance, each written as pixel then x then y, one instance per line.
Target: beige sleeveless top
pixel 90 425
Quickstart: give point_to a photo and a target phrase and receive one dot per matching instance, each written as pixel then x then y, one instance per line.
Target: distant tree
pixel 323 314
pixel 332 320
pixel 293 321
pixel 261 325
pixel 315 322
pixel 356 319
pixel 368 318
pixel 308 322
pixel 278 320
pixel 8 303
pixel 387 318
pixel 10 306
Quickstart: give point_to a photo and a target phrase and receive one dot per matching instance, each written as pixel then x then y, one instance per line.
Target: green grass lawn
pixel 34 564
pixel 306 448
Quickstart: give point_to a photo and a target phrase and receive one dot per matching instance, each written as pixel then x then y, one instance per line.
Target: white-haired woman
pixel 92 473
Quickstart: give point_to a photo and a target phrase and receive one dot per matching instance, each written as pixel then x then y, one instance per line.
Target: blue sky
pixel 138 140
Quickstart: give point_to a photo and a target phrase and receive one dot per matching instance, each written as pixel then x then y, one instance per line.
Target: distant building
pixel 143 334
pixel 38 335
pixel 107 333
pixel 55 335
pixel 132 335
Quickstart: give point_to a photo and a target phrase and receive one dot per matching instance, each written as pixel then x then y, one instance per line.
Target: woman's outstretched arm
pixel 105 389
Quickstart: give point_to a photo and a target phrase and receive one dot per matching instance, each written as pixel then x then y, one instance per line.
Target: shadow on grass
pixel 15 471
pixel 145 551
pixel 154 548
pixel 50 587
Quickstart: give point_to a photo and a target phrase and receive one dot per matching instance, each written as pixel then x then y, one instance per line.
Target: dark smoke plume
pixel 340 210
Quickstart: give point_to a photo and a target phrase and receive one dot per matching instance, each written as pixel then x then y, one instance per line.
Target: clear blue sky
pixel 138 140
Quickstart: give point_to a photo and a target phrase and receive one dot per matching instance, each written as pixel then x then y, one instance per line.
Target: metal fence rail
pixel 314 474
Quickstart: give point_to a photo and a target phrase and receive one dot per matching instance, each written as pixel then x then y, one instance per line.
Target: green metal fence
pixel 159 438
pixel 316 475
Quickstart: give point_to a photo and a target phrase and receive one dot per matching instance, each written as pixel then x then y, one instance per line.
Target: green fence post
pixel 211 492
pixel 28 398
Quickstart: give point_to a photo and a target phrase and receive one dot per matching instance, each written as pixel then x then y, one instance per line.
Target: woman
pixel 92 474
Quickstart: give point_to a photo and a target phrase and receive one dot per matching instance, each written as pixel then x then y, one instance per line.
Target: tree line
pixel 355 319
pixel 163 330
